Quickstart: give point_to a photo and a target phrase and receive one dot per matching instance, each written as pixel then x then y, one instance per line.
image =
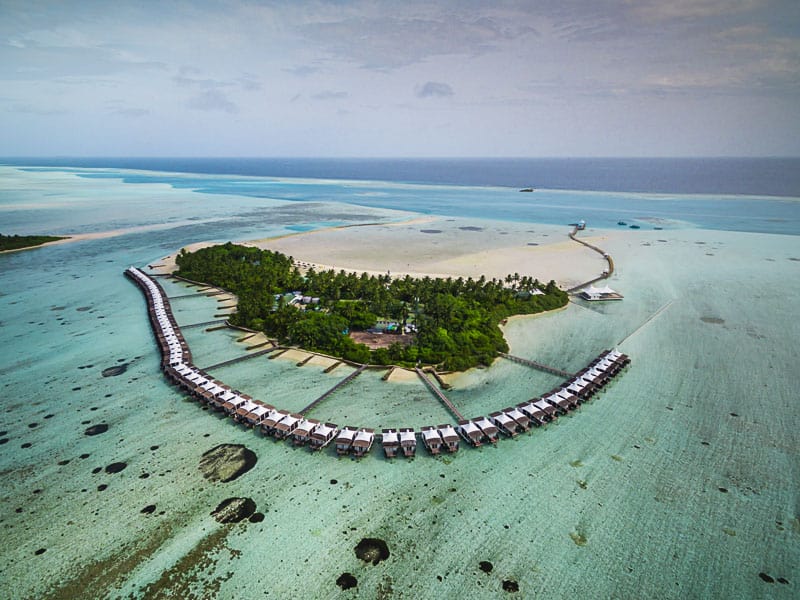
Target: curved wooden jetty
pixel 176 362
pixel 574 237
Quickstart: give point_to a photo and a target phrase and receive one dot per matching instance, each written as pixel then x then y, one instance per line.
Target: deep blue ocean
pixel 749 176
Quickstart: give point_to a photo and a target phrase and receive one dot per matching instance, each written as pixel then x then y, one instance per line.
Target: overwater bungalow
pixel 490 431
pixel 219 401
pixel 240 413
pixel 449 437
pixel 523 422
pixel 322 435
pixel 431 439
pixel 390 440
pixel 571 399
pixel 287 425
pixel 504 423
pixel 561 404
pixel 408 442
pixel 271 421
pixel 302 433
pixel 344 440
pixel 258 414
pixel 533 412
pixel 470 432
pixel 205 392
pixel 550 411
pixel 594 294
pixel 363 441
pixel 232 405
pixel 581 388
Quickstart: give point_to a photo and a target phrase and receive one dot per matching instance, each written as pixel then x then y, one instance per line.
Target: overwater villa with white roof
pixel 593 294
pixel 178 368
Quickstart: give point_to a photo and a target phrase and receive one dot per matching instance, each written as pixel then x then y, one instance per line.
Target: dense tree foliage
pixel 15 242
pixel 456 319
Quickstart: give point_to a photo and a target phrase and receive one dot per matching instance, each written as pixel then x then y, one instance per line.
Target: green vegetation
pixel 15 242
pixel 456 320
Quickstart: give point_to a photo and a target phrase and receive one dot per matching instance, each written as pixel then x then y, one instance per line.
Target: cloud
pixel 186 78
pixel 389 42
pixel 433 89
pixel 131 112
pixel 330 95
pixel 302 70
pixel 660 10
pixel 35 110
pixel 211 100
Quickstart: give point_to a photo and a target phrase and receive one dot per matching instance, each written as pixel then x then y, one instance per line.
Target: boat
pixel 635 227
pixel 623 223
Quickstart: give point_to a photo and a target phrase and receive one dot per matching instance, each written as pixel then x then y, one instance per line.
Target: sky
pixel 535 78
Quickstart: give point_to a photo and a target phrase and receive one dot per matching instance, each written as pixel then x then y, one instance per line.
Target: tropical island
pixel 21 242
pixel 447 322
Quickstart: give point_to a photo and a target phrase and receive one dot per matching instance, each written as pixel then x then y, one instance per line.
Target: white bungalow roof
pixel 407 436
pixel 364 436
pixel 469 427
pixel 248 405
pixel 428 434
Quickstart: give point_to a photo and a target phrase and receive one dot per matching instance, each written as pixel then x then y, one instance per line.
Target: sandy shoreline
pixel 436 247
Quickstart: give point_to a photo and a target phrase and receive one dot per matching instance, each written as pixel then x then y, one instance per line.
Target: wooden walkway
pixel 573 236
pixel 342 383
pixel 217 322
pixel 238 359
pixel 532 363
pixel 438 393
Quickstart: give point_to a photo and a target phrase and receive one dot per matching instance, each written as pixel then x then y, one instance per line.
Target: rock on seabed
pixel 226 462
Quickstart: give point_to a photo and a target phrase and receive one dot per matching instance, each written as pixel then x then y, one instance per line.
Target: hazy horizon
pixel 215 78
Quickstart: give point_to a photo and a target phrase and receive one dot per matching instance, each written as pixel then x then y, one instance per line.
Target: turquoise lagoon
pixel 680 480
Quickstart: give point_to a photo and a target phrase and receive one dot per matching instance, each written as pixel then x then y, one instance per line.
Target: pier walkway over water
pixel 574 237
pixel 239 359
pixel 536 365
pixel 217 322
pixel 339 385
pixel 439 394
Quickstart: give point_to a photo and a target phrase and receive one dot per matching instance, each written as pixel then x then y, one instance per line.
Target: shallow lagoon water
pixel 678 481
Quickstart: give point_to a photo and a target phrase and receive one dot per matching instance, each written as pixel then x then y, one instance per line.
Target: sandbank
pixel 438 247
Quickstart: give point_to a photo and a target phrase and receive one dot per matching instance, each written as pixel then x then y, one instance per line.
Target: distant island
pixel 20 242
pixel 450 323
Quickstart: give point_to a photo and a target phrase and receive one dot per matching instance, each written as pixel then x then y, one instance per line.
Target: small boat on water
pixel 623 223
pixel 635 227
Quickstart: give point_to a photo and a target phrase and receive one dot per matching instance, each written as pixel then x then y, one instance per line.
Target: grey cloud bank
pixel 447 78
